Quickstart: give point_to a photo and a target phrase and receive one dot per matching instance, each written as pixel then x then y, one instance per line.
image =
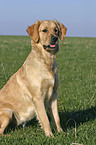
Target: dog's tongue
pixel 52 45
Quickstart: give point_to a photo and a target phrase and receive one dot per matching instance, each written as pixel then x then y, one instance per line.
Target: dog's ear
pixel 33 31
pixel 62 30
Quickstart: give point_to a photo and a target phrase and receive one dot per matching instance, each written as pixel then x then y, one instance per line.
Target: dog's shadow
pixel 68 120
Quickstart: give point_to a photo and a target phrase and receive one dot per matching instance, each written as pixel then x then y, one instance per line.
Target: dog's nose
pixel 54 38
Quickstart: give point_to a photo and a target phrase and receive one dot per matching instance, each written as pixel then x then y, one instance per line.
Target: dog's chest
pixel 47 85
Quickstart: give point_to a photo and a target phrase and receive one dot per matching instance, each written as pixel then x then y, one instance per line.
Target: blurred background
pixel 79 16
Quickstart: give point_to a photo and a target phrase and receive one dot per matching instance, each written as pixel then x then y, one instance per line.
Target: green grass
pixel 76 62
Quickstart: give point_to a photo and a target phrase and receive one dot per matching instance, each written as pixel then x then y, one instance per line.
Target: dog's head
pixel 47 33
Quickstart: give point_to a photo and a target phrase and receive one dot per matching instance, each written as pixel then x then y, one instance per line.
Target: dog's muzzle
pixel 53 44
pixel 54 39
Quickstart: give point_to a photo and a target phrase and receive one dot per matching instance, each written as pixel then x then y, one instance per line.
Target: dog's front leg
pixel 42 116
pixel 54 108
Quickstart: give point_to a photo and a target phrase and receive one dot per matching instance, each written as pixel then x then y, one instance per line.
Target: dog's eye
pixel 45 30
pixel 56 30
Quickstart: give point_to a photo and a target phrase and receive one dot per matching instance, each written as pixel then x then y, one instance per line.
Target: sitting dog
pixel 34 86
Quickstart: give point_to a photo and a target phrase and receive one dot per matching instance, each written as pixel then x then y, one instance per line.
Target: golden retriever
pixel 34 86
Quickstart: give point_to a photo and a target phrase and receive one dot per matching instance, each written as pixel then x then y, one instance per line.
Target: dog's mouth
pixel 53 46
pixel 49 47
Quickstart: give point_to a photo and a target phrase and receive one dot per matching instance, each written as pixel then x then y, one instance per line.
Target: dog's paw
pixel 49 134
pixel 60 129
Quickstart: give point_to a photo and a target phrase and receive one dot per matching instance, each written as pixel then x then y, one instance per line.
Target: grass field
pixel 76 62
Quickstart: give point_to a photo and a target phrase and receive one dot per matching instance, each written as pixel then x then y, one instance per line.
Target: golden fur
pixel 35 85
